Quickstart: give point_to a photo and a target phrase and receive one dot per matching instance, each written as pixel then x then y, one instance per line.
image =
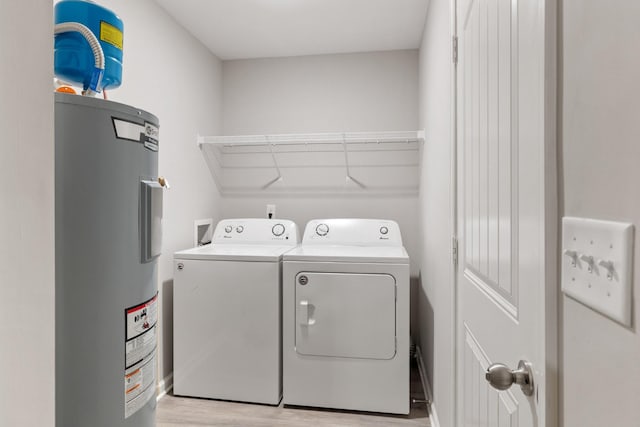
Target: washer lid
pixel 264 253
pixel 343 253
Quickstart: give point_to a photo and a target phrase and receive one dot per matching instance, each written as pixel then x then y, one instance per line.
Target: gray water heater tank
pixel 108 236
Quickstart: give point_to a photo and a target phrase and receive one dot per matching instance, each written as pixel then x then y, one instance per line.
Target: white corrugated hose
pixel 98 54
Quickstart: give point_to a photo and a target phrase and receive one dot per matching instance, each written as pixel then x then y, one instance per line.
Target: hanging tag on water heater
pixel 164 183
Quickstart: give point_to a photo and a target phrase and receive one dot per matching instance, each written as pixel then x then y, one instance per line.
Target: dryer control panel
pixel 352 231
pixel 256 231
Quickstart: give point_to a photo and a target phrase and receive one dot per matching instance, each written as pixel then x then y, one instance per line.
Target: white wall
pixel 324 93
pixel 600 149
pixel 435 296
pixel 170 74
pixel 27 280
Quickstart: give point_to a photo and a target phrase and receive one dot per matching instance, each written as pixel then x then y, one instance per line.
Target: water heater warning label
pixel 140 355
pixel 139 386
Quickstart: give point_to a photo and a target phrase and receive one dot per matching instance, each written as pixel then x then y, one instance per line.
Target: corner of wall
pixel 424 380
pixel 436 295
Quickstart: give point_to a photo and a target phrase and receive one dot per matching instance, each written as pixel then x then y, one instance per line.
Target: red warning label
pixel 142 317
pixel 141 342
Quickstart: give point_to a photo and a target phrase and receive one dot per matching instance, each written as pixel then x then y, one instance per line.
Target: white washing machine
pixel 346 317
pixel 227 312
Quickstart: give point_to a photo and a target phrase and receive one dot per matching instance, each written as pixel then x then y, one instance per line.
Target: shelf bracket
pixel 348 176
pixel 275 165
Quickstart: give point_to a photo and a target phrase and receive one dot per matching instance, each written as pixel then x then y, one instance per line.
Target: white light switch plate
pixel 597 264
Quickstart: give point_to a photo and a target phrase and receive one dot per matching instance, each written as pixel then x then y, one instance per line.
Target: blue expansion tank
pixel 73 57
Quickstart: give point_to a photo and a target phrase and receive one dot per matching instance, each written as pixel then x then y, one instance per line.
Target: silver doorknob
pixel 501 377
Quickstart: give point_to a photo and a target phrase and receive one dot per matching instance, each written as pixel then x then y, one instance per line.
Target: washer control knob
pixel 239 229
pixel 278 230
pixel 384 230
pixel 322 229
pixel 228 229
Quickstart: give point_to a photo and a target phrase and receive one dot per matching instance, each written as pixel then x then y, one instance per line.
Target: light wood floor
pixel 187 412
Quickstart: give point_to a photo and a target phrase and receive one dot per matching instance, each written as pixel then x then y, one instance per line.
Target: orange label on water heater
pixel 110 34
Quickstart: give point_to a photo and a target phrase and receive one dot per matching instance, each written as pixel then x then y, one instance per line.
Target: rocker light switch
pixel 597 264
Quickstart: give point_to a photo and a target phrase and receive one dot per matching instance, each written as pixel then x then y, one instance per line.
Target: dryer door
pixel 346 315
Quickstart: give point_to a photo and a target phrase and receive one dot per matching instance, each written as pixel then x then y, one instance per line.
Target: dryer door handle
pixel 304 309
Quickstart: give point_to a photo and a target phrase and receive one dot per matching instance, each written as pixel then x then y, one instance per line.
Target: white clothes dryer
pixel 346 317
pixel 227 312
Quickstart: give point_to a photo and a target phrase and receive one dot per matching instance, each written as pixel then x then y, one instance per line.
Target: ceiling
pixel 237 29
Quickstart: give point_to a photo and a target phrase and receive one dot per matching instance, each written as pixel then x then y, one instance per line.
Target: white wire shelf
pixel 315 163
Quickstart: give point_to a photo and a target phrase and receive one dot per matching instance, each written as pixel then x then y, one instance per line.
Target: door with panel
pixel 506 213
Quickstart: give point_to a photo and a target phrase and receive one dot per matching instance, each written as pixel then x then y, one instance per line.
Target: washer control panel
pixel 256 231
pixel 353 231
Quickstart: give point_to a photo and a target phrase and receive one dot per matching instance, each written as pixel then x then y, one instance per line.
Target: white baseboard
pixel 424 379
pixel 164 386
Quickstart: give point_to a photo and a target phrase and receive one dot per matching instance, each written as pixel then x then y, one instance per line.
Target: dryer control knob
pixel 278 230
pixel 322 229
pixel 384 230
pixel 228 229
pixel 239 229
